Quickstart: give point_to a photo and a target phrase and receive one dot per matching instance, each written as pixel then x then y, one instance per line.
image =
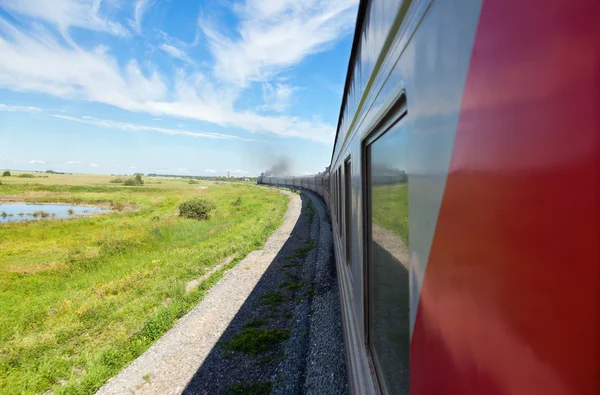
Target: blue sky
pixel 172 87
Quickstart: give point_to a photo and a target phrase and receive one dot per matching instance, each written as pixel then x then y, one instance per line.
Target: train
pixel 464 195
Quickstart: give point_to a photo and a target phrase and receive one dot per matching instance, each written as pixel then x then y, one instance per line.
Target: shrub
pixel 192 181
pixel 196 208
pixel 237 201
pixel 6 174
pixel 26 175
pixel 116 180
pixel 134 181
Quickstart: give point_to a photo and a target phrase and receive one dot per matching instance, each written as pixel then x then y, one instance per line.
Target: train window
pixel 388 328
pixel 348 208
pixel 333 197
pixel 339 199
pixel 335 188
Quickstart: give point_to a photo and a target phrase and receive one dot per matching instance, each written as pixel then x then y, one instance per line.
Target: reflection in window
pixel 348 209
pixel 339 200
pixel 389 329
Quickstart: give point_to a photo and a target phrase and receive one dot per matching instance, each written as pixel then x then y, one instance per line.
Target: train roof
pixel 360 17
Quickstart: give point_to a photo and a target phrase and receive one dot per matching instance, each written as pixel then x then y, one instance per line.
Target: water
pixel 16 212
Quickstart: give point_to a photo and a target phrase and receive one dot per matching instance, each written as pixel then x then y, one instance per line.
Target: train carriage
pixel 464 198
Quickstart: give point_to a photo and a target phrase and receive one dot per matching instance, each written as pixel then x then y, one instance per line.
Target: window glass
pixel 348 208
pixel 334 196
pixel 339 206
pixel 387 273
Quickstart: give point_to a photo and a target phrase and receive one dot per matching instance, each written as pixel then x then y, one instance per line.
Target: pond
pixel 16 212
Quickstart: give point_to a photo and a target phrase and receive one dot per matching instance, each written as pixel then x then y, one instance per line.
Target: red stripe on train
pixel 510 303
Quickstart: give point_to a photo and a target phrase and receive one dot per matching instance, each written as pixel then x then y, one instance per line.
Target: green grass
pixel 256 323
pixel 291 285
pixel 292 276
pixel 271 298
pixel 310 211
pixel 255 340
pixel 302 252
pixel 81 298
pixel 390 208
pixel 255 388
pixel 289 265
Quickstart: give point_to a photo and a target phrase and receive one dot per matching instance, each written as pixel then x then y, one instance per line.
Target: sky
pixel 171 86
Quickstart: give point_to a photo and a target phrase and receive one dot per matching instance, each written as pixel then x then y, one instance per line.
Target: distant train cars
pixel 464 195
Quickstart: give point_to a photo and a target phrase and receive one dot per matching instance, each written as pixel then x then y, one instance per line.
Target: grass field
pixel 80 298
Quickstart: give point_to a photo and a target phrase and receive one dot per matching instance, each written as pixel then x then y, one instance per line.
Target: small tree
pixel 196 208
pixel 6 174
pixel 133 181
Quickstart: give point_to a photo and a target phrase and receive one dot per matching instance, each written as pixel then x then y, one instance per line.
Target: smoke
pixel 281 167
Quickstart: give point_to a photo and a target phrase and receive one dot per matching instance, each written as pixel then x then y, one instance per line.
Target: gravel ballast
pixel 272 324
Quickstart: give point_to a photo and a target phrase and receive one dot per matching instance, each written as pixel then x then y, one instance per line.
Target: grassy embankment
pixel 80 298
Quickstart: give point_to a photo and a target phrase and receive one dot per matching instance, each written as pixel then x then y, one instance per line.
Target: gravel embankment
pixel 271 325
pixel 315 361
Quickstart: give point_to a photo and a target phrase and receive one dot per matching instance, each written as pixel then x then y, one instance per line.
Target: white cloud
pixel 73 162
pixel 9 108
pixel 183 169
pixel 238 171
pixel 140 8
pixel 276 98
pixel 93 165
pixel 210 171
pixel 175 52
pixel 72 73
pixel 37 161
pixel 266 46
pixel 66 13
pixel 132 167
pixel 105 123
pixel 274 35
